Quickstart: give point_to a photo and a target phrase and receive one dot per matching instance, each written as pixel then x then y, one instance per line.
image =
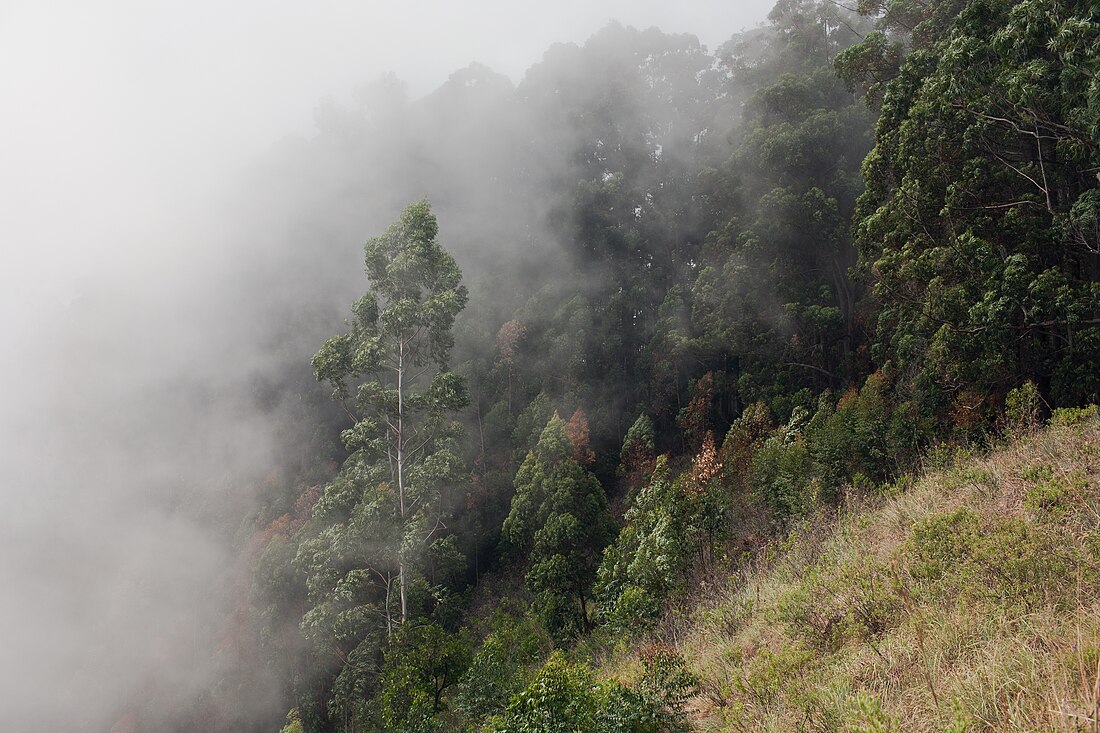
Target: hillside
pixel 675 306
pixel 965 599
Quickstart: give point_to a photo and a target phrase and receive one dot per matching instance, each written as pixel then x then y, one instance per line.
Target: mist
pixel 184 194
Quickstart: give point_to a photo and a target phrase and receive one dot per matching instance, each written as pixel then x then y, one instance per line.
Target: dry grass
pixel 857 623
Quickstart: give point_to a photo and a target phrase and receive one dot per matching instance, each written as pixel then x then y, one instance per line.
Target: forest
pixel 684 389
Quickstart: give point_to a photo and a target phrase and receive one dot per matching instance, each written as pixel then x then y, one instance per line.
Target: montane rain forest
pixel 667 388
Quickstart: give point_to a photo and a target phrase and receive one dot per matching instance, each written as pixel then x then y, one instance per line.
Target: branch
pixel 344 404
pixel 1009 205
pixel 1046 193
pixel 438 525
pixel 830 375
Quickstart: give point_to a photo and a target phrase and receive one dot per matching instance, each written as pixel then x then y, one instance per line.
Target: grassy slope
pixel 967 600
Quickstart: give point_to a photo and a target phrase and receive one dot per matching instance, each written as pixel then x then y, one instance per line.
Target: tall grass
pixel 967 599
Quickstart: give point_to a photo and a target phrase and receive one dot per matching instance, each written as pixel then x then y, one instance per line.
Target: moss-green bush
pixel 835 604
pixel 1075 416
pixel 502 665
pixel 566 696
pixel 1008 558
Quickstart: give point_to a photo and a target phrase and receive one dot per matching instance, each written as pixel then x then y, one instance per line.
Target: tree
pixel 638 455
pixel 389 371
pixel 422 663
pixel 773 306
pixel 640 569
pixel 976 231
pixel 559 516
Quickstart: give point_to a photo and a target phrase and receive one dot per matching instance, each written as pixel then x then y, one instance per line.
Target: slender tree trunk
pixel 584 608
pixel 402 579
pixel 389 616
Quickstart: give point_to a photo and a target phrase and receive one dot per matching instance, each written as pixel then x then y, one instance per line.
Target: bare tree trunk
pixel 402 579
pixel 584 608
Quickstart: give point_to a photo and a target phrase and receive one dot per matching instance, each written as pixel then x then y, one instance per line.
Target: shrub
pixel 567 696
pixel 639 452
pixel 942 543
pixel 502 665
pixel 1022 408
pixel 1009 558
pixel 634 610
pixel 293 723
pixel 421 664
pixel 782 472
pixel 765 675
pixel 867 716
pixel 1051 497
pixel 665 688
pixel 1075 416
pixel 833 605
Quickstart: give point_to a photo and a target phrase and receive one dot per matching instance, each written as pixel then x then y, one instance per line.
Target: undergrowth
pixel 965 600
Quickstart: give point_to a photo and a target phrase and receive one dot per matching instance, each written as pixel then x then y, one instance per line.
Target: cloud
pixel 157 239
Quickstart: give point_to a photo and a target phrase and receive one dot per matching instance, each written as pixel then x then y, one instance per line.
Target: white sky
pixel 116 117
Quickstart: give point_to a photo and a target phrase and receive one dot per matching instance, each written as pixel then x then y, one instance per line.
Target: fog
pixel 184 191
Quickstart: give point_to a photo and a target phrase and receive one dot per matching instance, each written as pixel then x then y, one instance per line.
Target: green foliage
pixel 867 716
pixel 782 471
pixel 1072 417
pixel 639 451
pixel 860 436
pixel 375 523
pixel 870 65
pixel 1050 496
pixel 665 688
pixel 355 684
pixel 773 288
pixel 502 666
pixel 959 553
pixel 562 696
pixel 669 523
pixel 967 231
pixel 834 605
pixel 293 723
pixel 767 673
pixel 1022 409
pixel 560 520
pixel 421 664
pixel 567 696
pixel 643 565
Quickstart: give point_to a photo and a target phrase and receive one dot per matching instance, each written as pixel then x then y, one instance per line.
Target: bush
pixel 1009 559
pixel 782 472
pixel 502 666
pixel 421 664
pixel 1050 496
pixel 293 723
pixel 1022 408
pixel 1075 416
pixel 867 716
pixel 942 543
pixel 567 696
pixel 665 688
pixel 641 568
pixel 765 675
pixel 835 604
pixel 634 610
